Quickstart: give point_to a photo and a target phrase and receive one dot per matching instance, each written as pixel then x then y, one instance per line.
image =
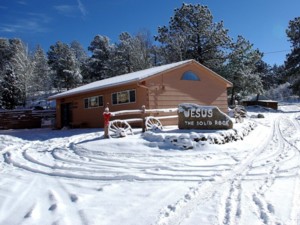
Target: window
pixel 189 75
pixel 93 102
pixel 123 97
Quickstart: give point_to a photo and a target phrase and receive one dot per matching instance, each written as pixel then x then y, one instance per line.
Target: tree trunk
pixel 232 96
pixel 257 99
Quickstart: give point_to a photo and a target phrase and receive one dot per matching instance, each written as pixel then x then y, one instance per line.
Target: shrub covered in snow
pixel 190 140
pixel 280 92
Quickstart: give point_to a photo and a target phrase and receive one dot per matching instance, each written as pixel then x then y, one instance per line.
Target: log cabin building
pixel 157 88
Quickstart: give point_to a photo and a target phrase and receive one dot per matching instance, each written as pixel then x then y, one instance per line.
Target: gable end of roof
pixel 131 78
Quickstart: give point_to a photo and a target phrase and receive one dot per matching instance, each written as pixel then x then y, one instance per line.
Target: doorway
pixel 66 114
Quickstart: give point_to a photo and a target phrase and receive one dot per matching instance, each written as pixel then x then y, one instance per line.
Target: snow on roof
pixel 260 98
pixel 118 80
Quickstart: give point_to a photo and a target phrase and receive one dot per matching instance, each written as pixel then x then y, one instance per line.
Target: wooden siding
pixel 93 117
pixel 164 90
pixel 168 90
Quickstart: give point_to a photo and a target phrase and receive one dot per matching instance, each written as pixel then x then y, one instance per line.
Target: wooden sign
pixel 193 116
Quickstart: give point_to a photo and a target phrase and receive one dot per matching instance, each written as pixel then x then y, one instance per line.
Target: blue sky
pixel 44 22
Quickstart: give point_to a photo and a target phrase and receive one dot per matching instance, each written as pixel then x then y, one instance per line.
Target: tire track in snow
pixel 14 202
pixel 231 210
pixel 176 213
pixel 233 203
pixel 76 162
pixel 29 202
pixel 295 212
pixel 25 203
pixel 265 210
pixel 232 207
pixel 289 130
pixel 62 205
pixel 68 160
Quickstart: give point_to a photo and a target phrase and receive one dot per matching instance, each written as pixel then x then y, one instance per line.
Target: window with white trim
pixel 93 102
pixel 123 97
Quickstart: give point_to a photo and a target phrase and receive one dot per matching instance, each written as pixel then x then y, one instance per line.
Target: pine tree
pixel 79 52
pixel 292 63
pixel 241 70
pixel 6 54
pixel 99 64
pixel 271 76
pixel 123 55
pixel 11 95
pixel 192 34
pixel 81 58
pixel 41 81
pixel 265 70
pixel 64 65
pixel 144 49
pixel 20 62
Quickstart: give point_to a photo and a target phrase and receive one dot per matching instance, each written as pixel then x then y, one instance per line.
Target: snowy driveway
pixel 77 177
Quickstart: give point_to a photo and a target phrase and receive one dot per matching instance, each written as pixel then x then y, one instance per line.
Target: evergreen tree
pixel 241 70
pixel 292 63
pixel 22 67
pixel 271 76
pixel 123 54
pixel 192 34
pixel 132 53
pixel 143 50
pixel 81 59
pixel 99 64
pixel 80 53
pixel 11 95
pixel 157 55
pixel 41 80
pixel 6 54
pixel 64 65
pixel 265 71
pixel 279 73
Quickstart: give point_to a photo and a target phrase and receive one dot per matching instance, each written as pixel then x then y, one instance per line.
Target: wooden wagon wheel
pixel 153 124
pixel 119 128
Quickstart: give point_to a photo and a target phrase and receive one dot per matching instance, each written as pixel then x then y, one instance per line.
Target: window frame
pixel 87 105
pixel 116 95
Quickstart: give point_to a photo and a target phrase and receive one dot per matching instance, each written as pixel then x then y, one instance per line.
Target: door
pixel 66 114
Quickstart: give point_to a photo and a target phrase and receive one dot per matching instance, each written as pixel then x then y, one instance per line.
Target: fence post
pixel 143 118
pixel 106 116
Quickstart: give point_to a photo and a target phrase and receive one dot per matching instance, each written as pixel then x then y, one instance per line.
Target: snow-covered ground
pixel 77 177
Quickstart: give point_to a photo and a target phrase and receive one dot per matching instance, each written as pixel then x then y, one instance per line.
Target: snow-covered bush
pixel 191 140
pixel 280 93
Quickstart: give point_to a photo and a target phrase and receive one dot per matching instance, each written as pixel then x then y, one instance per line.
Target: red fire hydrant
pixel 106 116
